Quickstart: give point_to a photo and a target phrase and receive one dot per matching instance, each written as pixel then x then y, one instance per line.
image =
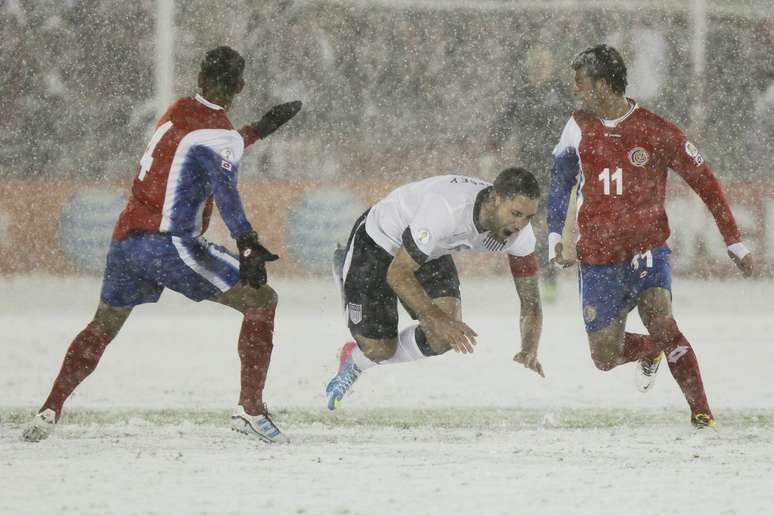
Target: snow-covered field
pixel 147 433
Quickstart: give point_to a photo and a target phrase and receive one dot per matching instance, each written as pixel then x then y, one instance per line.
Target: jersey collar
pixel 614 123
pixel 207 103
pixel 480 198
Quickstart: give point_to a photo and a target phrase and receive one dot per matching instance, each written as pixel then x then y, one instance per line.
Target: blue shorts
pixel 142 265
pixel 607 290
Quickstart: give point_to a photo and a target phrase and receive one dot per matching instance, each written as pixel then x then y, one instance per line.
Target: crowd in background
pixel 388 92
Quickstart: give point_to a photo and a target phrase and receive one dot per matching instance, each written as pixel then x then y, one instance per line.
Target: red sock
pixel 80 360
pixel 637 347
pixel 682 363
pixel 255 346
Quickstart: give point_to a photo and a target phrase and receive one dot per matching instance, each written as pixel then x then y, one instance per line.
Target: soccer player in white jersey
pixel 402 248
pixel 191 160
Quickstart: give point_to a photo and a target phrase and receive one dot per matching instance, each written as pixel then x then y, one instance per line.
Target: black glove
pixel 252 260
pixel 275 117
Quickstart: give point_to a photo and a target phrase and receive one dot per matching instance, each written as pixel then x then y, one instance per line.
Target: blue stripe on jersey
pixel 563 177
pixel 222 176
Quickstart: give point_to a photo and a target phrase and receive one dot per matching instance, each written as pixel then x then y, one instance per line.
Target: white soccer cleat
pixel 260 426
pixel 645 372
pixel 41 427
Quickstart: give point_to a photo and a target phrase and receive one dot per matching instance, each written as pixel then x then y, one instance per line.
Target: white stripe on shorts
pixel 189 260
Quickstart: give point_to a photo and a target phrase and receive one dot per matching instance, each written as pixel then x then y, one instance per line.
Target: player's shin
pixel 637 347
pixel 682 363
pixel 412 346
pixel 80 360
pixel 255 348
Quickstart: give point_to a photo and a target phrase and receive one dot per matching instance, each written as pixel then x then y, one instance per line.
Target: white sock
pixel 361 361
pixel 407 349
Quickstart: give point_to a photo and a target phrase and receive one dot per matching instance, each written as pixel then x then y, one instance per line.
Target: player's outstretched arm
pixel 436 323
pixel 272 120
pixel 686 160
pixel 524 271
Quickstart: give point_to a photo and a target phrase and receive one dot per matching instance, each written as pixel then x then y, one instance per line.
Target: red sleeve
pixel 686 160
pixel 248 135
pixel 523 266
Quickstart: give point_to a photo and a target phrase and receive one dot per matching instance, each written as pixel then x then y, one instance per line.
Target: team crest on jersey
pixel 423 236
pixel 638 157
pixel 694 153
pixel 355 313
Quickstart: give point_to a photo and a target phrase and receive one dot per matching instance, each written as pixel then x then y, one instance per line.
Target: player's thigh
pixel 603 293
pixel 371 305
pixel 655 303
pixel 605 304
pixel 193 267
pixel 124 283
pixel 654 276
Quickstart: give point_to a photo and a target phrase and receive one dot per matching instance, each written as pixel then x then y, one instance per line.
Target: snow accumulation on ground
pixel 148 432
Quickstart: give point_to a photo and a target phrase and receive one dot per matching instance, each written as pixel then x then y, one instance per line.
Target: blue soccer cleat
pixel 347 375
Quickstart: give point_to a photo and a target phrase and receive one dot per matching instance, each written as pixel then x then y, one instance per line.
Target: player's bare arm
pixel 530 322
pixel 435 322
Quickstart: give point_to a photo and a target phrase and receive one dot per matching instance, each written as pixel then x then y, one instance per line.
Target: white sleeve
pixel 431 226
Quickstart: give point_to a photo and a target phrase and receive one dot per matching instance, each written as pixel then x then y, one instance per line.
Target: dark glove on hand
pixel 275 117
pixel 252 260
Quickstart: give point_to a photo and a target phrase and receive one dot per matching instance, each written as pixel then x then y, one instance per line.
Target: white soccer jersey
pixel 436 216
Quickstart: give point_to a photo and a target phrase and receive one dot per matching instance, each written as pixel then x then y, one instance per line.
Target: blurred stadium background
pixel 394 90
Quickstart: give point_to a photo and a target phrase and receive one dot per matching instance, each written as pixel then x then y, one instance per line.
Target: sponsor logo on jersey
pixel 423 236
pixel 355 313
pixel 226 165
pixel 694 153
pixel 638 157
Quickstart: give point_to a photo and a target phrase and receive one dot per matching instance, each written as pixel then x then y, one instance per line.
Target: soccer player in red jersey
pixel 618 153
pixel 192 158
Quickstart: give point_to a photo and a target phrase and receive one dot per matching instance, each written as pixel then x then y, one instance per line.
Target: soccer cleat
pixel 260 426
pixel 646 371
pixel 347 375
pixel 41 427
pixel 701 421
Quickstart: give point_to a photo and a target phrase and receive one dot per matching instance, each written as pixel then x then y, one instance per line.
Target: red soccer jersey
pixel 621 169
pixel 172 191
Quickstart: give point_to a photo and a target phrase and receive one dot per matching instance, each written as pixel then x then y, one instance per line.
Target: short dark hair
pixel 603 62
pixel 222 69
pixel 517 181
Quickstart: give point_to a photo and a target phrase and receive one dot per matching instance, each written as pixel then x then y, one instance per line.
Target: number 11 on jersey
pixel 617 177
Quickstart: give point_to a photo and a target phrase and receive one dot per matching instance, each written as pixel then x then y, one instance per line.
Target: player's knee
pixel 603 364
pixel 378 350
pixel 605 358
pixel 264 297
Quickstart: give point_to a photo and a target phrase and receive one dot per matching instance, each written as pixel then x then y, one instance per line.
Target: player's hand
pixel 275 118
pixel 252 260
pixel 560 259
pixel 460 337
pixel 530 361
pixel 744 264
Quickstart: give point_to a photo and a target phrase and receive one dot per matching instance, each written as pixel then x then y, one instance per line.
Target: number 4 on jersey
pixel 605 177
pixel 147 159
